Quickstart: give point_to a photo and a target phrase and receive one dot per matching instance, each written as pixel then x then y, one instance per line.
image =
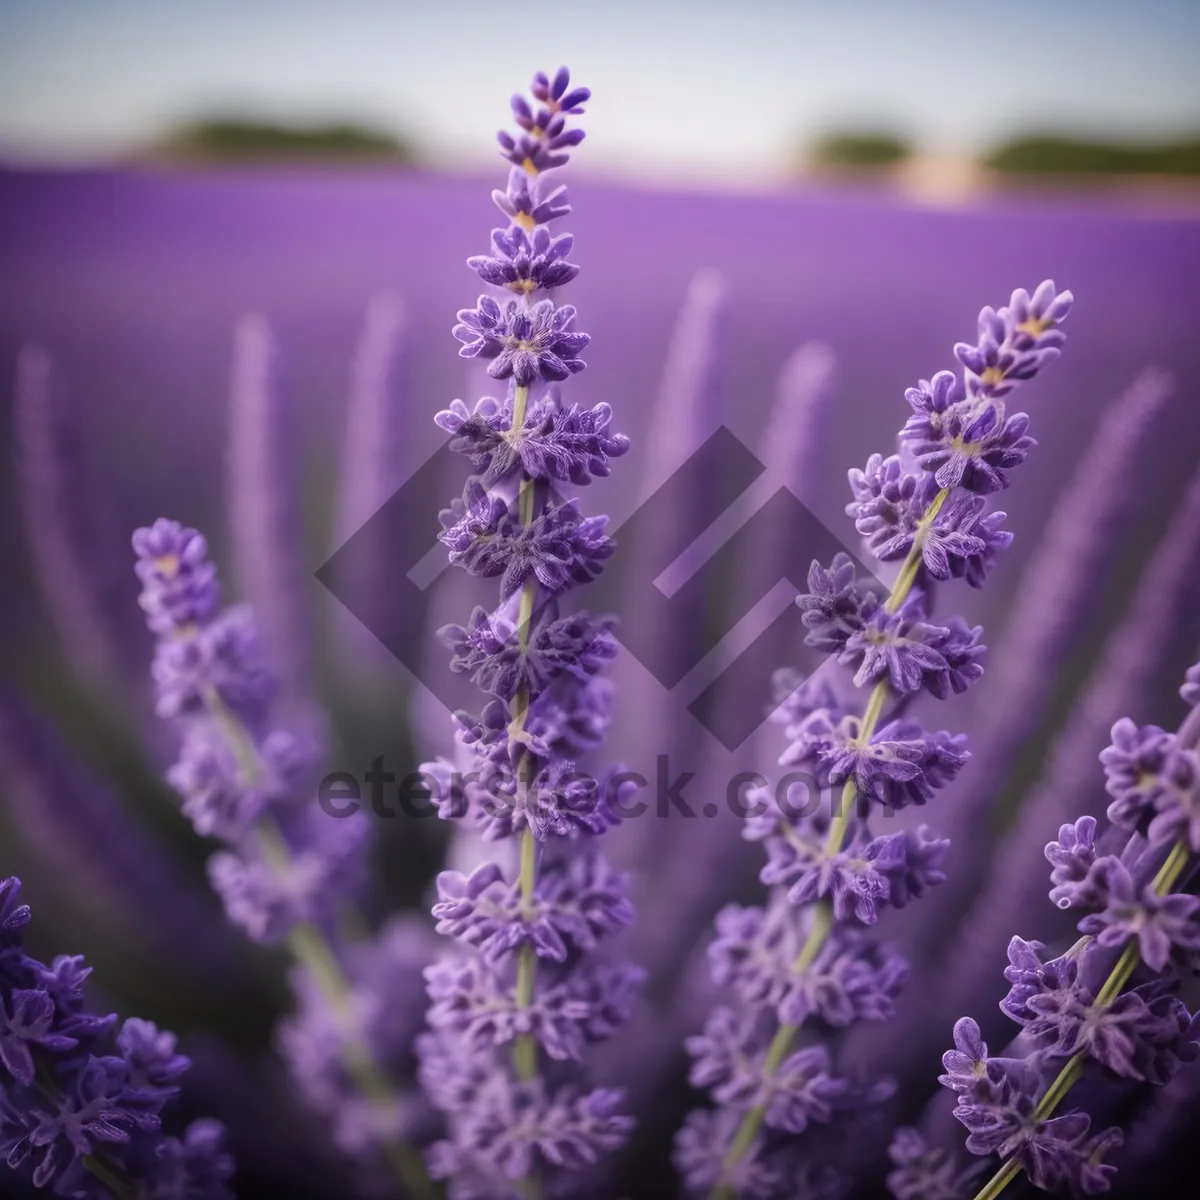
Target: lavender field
pixel 131 285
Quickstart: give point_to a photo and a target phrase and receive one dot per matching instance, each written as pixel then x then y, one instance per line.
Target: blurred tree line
pixel 1034 154
pixel 232 139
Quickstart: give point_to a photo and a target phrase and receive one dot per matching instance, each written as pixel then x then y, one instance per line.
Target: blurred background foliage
pixel 241 139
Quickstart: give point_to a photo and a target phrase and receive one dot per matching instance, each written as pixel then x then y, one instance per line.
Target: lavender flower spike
pixel 285 869
pixel 529 988
pixel 68 527
pixel 1053 588
pixel 832 875
pixel 81 1101
pixel 1086 1006
pixel 263 493
pixel 686 410
pixel 372 468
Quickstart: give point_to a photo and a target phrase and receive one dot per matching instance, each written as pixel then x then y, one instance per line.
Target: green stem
pixel 822 923
pixel 1168 875
pixel 525 1051
pixel 1000 1180
pixel 912 564
pixel 311 948
pixel 102 1171
pixel 525 1056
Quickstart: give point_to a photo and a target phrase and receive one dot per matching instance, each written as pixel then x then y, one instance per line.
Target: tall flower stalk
pixel 1078 1008
pixel 286 868
pixel 809 953
pixel 513 1011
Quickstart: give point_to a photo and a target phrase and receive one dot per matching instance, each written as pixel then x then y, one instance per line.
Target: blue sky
pixel 686 87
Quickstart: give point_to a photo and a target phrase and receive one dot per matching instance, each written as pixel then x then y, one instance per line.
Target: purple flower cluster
pixel 530 986
pixel 383 1009
pixel 811 951
pixel 81 1101
pixel 1077 1008
pixel 240 779
pixel 997 1102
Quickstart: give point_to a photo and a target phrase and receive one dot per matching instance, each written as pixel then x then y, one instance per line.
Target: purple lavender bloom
pixel 900 765
pixel 179 581
pixel 528 203
pixel 1147 772
pixel 1016 342
pixel 888 505
pixel 851 979
pixel 514 1126
pixel 266 899
pixel 216 801
pixel 525 264
pixel 728 1057
pixel 898 647
pixel 80 1102
pixel 1177 808
pixel 537 153
pixel 836 606
pixel 926 1173
pixel 961 443
pixel 966 1064
pixel 285 870
pixel 489 648
pixel 13 916
pixel 222 658
pixel 557 444
pixel 1162 925
pixel 526 343
pixel 888 502
pixel 700 1150
pixel 1071 856
pixel 384 1013
pixel 574 906
pixel 557 94
pixel 998 1105
pixel 858 880
pixel 1030 321
pixel 1191 687
pixel 587 1006
pixel 559 548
